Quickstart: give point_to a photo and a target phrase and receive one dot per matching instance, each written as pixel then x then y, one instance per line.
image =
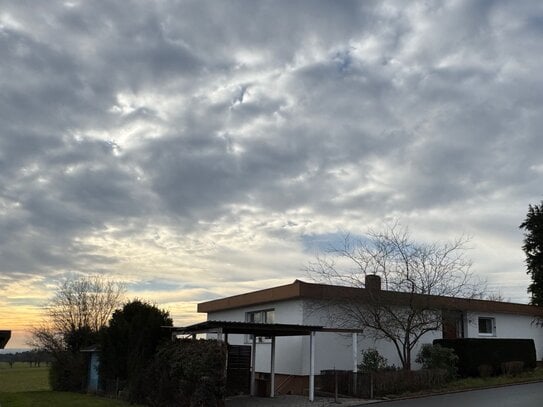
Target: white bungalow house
pixel 294 304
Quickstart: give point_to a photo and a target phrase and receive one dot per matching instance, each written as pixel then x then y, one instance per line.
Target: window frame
pixel 492 326
pixel 265 314
pixel 265 319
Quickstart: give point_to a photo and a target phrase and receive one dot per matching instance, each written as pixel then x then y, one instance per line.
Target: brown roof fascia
pixel 301 289
pixel 281 293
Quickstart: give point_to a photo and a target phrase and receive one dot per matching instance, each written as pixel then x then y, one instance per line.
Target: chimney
pixel 373 282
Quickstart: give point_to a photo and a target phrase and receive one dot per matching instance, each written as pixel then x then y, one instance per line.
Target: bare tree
pixel 79 306
pixel 412 274
pixel 497 296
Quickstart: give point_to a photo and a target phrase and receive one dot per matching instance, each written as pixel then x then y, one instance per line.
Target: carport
pixel 223 328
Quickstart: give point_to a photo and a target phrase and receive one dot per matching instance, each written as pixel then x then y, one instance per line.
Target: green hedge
pixel 487 356
pixel 187 372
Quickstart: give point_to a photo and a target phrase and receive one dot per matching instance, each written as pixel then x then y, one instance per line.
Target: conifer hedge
pixel 478 356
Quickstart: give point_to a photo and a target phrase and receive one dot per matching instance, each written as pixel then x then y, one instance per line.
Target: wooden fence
pixel 378 384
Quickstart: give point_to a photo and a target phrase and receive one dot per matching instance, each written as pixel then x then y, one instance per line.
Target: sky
pixel 199 149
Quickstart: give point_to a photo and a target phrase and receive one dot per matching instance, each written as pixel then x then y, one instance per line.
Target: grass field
pixel 54 398
pixel 24 386
pixel 21 377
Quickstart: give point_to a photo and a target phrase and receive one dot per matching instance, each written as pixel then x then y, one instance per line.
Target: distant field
pixel 24 386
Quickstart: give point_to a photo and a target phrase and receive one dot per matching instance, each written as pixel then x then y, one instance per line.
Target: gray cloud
pixel 133 130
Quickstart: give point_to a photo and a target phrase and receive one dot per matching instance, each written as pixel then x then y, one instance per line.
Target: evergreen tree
pixel 128 346
pixel 533 247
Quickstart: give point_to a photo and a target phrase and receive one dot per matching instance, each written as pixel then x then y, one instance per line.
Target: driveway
pixel 522 395
pixel 293 401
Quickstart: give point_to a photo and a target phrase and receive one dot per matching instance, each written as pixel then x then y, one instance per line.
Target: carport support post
pixel 253 367
pixel 272 364
pixel 355 362
pixel 312 366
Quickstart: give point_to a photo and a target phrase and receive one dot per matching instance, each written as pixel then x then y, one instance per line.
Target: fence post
pixel 371 385
pixel 335 385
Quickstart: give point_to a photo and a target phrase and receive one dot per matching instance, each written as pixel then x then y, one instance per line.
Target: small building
pixel 93 364
pixel 302 303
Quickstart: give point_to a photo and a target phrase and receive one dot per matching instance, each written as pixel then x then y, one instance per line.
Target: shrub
pixel 437 357
pixel 372 361
pixel 68 372
pixel 187 373
pixel 68 365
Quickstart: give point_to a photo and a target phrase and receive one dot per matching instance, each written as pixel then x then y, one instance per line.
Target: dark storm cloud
pixel 119 116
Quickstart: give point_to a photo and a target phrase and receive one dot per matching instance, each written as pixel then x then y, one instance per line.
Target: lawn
pixel 24 386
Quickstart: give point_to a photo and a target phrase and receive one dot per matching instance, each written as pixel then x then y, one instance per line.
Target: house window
pixel 261 317
pixel 266 316
pixel 487 326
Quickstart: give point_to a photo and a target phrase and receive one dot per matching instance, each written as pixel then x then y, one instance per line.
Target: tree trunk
pixel 407 356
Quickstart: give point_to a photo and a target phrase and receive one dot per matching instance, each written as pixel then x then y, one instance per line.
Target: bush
pixel 68 365
pixel 372 361
pixel 512 368
pixel 68 372
pixel 485 370
pixel 437 357
pixel 473 353
pixel 187 373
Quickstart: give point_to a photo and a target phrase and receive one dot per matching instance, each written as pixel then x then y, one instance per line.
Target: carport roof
pixel 249 328
pixel 253 328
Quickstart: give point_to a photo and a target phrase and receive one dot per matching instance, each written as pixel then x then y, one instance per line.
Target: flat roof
pixel 302 290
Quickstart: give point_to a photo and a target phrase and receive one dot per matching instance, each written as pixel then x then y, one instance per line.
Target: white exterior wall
pixel 508 326
pixel 334 350
pixel 288 350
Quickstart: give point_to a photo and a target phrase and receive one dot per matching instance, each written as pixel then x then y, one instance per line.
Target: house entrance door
pixel 453 326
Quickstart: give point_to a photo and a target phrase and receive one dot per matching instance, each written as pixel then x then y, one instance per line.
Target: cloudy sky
pixel 196 149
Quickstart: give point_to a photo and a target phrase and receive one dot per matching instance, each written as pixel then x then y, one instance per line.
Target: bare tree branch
pixel 85 303
pixel 404 265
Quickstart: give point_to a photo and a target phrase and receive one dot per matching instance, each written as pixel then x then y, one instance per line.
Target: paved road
pixel 523 395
